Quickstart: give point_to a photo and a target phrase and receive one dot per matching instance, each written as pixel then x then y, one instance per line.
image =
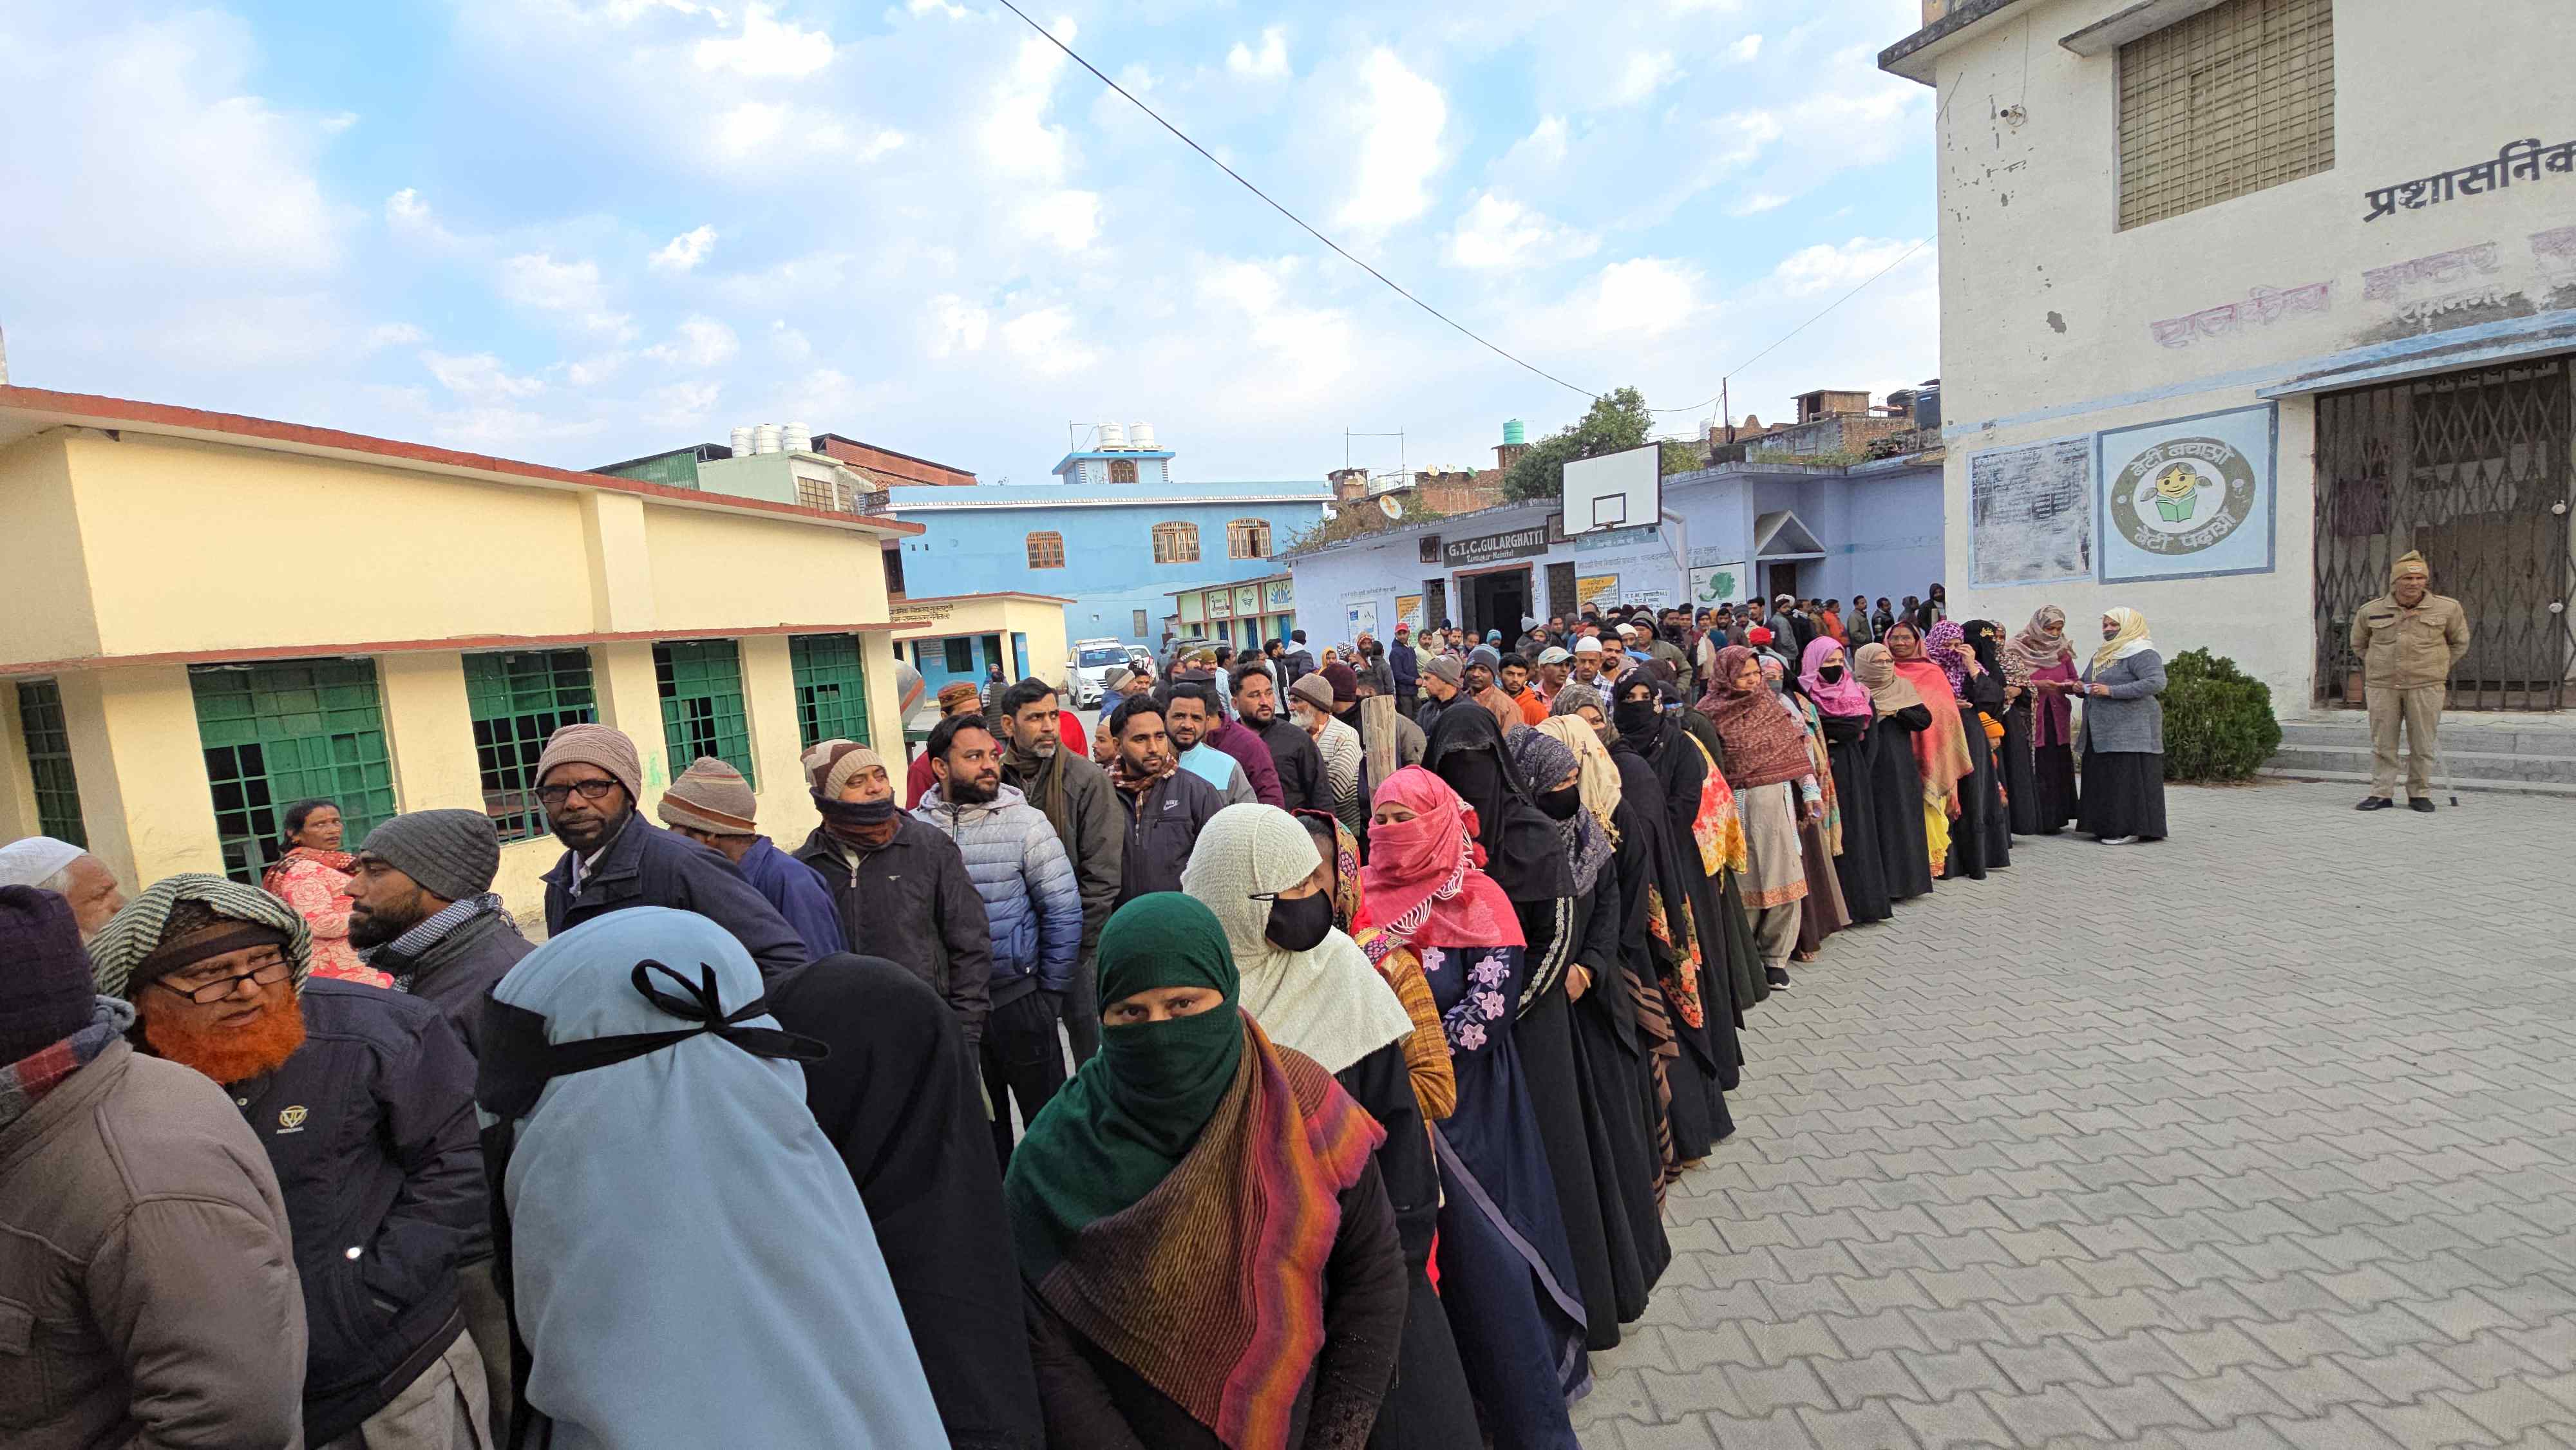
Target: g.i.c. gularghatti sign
pixel 2521 160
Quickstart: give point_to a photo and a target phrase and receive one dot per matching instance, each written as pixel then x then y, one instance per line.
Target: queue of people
pixel 1343 1114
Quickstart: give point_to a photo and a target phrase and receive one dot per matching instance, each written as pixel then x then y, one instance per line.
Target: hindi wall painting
pixel 2030 513
pixel 2189 498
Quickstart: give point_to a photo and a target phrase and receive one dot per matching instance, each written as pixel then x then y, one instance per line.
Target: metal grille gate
pixel 2473 469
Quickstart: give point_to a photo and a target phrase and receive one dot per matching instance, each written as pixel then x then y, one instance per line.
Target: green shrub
pixel 2218 719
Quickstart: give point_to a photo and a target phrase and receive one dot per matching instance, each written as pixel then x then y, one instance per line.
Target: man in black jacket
pixel 421 909
pixel 1300 764
pixel 364 1101
pixel 1164 805
pixel 589 781
pixel 900 883
pixel 1077 800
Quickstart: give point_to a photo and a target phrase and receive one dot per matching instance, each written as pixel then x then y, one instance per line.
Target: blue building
pixel 1111 530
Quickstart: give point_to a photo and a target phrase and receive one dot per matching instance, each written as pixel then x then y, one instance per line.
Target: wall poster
pixel 2189 498
pixel 1408 611
pixel 1714 584
pixel 2030 513
pixel 1362 619
pixel 1596 589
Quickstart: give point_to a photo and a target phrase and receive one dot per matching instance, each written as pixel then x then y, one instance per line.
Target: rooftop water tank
pixel 742 442
pixel 1141 435
pixel 1113 435
pixel 1512 432
pixel 794 439
pixel 764 438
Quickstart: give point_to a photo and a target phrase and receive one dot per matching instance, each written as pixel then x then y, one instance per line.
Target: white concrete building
pixel 2242 298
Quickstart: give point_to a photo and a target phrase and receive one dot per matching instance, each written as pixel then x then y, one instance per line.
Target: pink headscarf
pixel 1846 696
pixel 1422 882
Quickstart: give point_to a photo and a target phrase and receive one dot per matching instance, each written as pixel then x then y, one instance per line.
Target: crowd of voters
pixel 1302 1058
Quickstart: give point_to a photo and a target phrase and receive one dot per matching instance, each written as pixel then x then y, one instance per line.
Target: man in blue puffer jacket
pixel 1032 905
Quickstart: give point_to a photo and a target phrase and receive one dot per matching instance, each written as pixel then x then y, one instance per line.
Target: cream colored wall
pixel 17 783
pixel 2047 307
pixel 47 615
pixel 749 571
pixel 1044 625
pixel 142 770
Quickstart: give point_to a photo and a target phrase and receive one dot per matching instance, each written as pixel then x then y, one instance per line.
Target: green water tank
pixel 1512 432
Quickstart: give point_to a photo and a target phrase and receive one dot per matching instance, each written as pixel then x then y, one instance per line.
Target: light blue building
pixel 1111 530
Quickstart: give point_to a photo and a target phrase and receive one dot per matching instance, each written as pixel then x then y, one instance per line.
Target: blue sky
pixel 578 230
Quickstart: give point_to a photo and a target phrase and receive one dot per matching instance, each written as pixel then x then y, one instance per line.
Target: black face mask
pixel 1635 717
pixel 1562 802
pixel 1299 925
pixel 1830 674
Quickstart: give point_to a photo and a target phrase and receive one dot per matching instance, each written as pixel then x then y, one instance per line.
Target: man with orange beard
pixel 364 1102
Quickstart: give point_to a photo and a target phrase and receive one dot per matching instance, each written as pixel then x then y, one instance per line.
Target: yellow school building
pixel 206 617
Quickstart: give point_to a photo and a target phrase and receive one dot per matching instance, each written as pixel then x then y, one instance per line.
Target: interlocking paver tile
pixel 2172 1164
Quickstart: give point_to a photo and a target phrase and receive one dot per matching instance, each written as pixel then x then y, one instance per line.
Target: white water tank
pixel 794 439
pixel 1142 435
pixel 764 438
pixel 742 442
pixel 1112 435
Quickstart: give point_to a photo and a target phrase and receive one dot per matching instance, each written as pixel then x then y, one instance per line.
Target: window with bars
pixel 2230 101
pixel 277 734
pixel 49 761
pixel 831 688
pixel 702 707
pixel 1046 551
pixel 517 699
pixel 1247 539
pixel 1176 543
pixel 1122 470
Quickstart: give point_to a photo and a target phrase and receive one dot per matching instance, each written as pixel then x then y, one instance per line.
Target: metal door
pixel 1560 591
pixel 1435 603
pixel 2472 469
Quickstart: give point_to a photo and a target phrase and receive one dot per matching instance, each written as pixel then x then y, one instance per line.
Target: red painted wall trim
pixel 463 642
pixel 90 410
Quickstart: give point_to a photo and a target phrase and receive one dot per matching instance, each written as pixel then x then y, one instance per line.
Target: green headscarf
pixel 1129 1116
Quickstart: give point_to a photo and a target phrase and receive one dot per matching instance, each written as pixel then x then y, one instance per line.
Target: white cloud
pixel 1541 150
pixel 703 342
pixel 1755 203
pixel 1016 135
pixel 1745 49
pixel 1047 341
pixel 1308 347
pixel 767 48
pixel 937 7
pixel 1647 72
pixel 1399 121
pixel 1067 220
pixel 479 378
pixel 685 251
pixel 674 405
pixel 338 121
pixel 1499 233
pixel 590 372
pixel 391 334
pixel 405 209
pixel 957 325
pixel 1823 268
pixel 1646 297
pixel 1269 62
pixel 536 280
pixel 750 127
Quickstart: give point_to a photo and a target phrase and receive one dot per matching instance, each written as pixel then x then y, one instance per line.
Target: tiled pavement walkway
pixel 2262 1136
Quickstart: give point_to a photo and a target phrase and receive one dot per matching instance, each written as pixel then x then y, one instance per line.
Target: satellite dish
pixel 1390 508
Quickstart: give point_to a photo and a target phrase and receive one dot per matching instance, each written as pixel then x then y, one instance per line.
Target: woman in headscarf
pixel 1310 989
pixel 1661 764
pixel 649 1137
pixel 1842 714
pixel 1775 788
pixel 1579 944
pixel 309 876
pixel 2007 729
pixel 2124 735
pixel 1898 718
pixel 1974 844
pixel 896 1099
pixel 1940 748
pixel 1506 1274
pixel 2041 661
pixel 1820 835
pixel 1208 1253
pixel 1426 1052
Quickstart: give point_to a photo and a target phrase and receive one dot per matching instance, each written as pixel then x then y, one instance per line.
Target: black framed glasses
pixel 266 974
pixel 591 790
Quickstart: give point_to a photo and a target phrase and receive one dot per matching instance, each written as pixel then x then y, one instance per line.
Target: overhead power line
pixel 1462 328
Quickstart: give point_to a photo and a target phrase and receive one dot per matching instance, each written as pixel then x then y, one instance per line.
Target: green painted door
pixel 276 734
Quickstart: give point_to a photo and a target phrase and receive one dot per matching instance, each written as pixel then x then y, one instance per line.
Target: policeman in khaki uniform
pixel 2408 640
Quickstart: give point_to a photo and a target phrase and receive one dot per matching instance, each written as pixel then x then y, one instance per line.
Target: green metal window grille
pixel 518 699
pixel 831 688
pixel 49 761
pixel 960 655
pixel 276 734
pixel 702 710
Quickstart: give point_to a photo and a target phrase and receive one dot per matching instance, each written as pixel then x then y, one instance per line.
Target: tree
pixel 1617 419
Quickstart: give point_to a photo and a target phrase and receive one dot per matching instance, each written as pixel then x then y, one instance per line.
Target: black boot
pixel 2374 803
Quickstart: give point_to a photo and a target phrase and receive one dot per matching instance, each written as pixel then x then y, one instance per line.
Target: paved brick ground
pixel 2264 1136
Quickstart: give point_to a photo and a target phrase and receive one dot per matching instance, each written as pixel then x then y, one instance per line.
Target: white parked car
pixel 1087 667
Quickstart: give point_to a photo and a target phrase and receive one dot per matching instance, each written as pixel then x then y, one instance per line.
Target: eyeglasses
pixel 591 790
pixel 266 974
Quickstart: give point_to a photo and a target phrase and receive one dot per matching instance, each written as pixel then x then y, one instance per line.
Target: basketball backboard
pixel 1615 490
